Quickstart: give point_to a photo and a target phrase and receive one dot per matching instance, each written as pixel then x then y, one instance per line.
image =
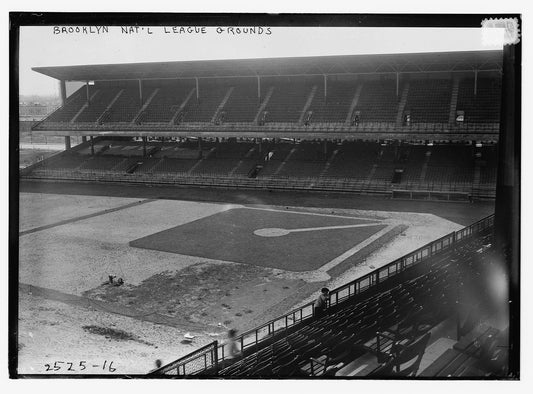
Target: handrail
pixel 273 327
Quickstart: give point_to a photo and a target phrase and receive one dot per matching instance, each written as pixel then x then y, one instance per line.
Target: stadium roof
pixel 315 65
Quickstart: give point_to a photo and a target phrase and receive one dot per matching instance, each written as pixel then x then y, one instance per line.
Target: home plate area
pixel 287 240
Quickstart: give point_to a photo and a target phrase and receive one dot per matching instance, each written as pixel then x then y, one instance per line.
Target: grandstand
pixel 361 127
pixel 427 314
pixel 406 126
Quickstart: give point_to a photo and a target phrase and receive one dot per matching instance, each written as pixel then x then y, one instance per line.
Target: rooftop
pixel 314 65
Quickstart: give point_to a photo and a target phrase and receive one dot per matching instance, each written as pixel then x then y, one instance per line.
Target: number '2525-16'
pixel 68 366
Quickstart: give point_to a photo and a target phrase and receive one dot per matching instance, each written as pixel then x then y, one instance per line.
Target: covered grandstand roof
pixel 315 65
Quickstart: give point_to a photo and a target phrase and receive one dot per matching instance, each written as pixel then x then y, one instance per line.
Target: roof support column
pixel 63 95
pixel 92 145
pixel 63 92
pixel 397 84
pixel 141 91
pixel 475 82
pixel 197 89
pixel 325 86
pixel 258 88
pixel 87 92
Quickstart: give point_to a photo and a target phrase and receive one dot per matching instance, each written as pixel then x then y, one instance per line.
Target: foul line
pixel 108 307
pixel 311 213
pixel 349 253
pixel 77 219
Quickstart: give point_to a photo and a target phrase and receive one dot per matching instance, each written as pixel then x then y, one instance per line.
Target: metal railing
pixel 191 364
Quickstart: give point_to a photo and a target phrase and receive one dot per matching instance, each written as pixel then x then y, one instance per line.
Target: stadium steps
pixel 264 104
pixel 424 168
pixel 355 101
pixel 285 161
pixel 144 106
pixel 84 106
pixel 402 104
pixel 465 354
pixel 222 104
pixel 328 163
pixel 194 167
pixel 107 110
pixel 307 104
pixel 242 161
pixel 372 173
pixel 453 102
pixel 182 105
pixel 477 175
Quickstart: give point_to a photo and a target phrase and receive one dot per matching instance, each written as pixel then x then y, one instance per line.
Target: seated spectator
pixel 321 303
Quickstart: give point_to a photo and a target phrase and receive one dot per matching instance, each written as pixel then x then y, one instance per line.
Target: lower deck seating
pixel 336 166
pixel 382 335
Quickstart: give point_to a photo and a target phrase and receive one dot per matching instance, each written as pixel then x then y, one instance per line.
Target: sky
pixel 51 46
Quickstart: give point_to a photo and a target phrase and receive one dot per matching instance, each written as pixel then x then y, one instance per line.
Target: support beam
pixel 197 89
pixel 258 88
pixel 397 84
pixel 63 92
pixel 92 145
pixel 325 86
pixel 141 91
pixel 144 145
pixel 475 82
pixel 87 92
pixel 325 142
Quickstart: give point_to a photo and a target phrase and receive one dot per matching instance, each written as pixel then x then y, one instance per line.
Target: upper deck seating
pixel 483 107
pixel 98 104
pixel 287 101
pixel 165 103
pixel 72 106
pixel 334 107
pixel 243 104
pixel 428 100
pixel 378 101
pixel 126 106
pixel 203 109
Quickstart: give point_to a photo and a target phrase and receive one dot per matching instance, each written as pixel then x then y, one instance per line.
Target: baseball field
pixel 189 267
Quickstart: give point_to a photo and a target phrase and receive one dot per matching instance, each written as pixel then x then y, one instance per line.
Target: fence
pixel 207 359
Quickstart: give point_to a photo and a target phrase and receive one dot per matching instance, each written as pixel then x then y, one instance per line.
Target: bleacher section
pixel 335 107
pixel 126 106
pixel 203 109
pixel 428 100
pixel 71 107
pixel 287 101
pixel 347 166
pixel 97 106
pixel 165 104
pixel 482 107
pixel 428 316
pixel 296 103
pixel 243 104
pixel 378 101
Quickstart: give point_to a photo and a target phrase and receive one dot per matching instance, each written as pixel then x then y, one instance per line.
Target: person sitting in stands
pixel 321 303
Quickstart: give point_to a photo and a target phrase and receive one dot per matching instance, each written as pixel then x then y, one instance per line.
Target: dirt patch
pixel 113 333
pixel 207 295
